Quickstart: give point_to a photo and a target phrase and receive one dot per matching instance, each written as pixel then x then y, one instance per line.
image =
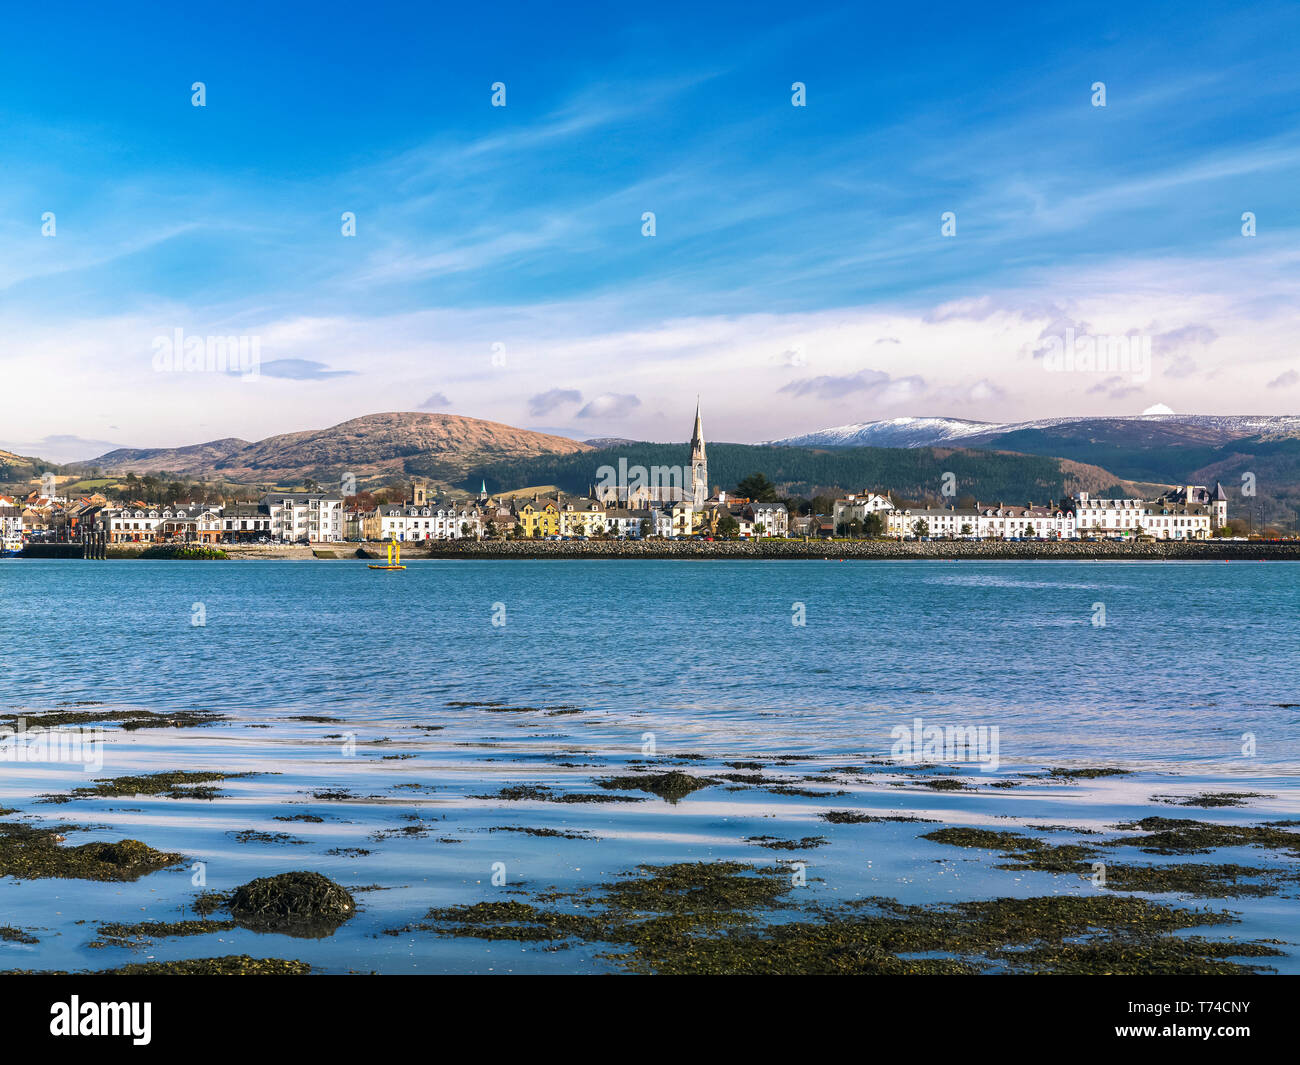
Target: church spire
pixel 699 464
pixel 697 437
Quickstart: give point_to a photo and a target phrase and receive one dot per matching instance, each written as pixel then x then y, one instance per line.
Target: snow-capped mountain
pixel 891 432
pixel 1143 428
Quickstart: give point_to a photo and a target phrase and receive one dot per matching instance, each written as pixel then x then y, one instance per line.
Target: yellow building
pixel 582 517
pixel 539 517
pixel 564 516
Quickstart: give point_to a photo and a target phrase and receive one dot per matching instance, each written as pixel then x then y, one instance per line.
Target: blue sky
pixel 499 268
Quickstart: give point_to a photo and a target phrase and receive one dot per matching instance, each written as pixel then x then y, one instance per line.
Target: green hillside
pixel 914 473
pixel 1273 462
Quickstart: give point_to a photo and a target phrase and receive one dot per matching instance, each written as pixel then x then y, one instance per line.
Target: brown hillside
pixel 395 443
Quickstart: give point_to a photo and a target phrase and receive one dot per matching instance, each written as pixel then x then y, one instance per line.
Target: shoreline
pixel 468 783
pixel 835 550
pixel 766 550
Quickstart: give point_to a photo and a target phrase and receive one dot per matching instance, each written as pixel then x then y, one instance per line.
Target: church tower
pixel 419 493
pixel 699 464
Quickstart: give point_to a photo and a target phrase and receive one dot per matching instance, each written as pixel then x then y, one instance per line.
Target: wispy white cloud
pixel 872 385
pixel 974 359
pixel 610 405
pixel 548 402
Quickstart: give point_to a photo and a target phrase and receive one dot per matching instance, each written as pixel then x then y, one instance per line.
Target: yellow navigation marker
pixel 394 556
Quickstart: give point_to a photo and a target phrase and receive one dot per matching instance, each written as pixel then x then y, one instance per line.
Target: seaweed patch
pixel 174 784
pixel 30 853
pixel 707 918
pixel 227 965
pixel 1209 799
pixel 672 786
pixel 144 932
pixel 854 817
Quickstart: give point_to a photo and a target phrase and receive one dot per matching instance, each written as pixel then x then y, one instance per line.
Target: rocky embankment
pixel 861 549
pixel 1204 551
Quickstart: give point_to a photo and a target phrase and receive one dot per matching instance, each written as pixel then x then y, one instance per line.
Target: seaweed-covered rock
pixel 299 903
pixel 672 786
pixel 31 853
pixel 183 552
pixel 124 854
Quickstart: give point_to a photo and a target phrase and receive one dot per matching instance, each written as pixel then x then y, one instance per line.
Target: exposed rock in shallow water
pixel 299 904
pixel 30 853
pixel 1090 773
pixel 673 785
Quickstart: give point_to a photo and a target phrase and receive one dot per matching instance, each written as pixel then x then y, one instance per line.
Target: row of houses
pixel 1188 512
pixel 280 515
pixel 630 502
pixel 319 517
pixel 36 515
pixel 316 517
pixel 560 515
pixel 311 517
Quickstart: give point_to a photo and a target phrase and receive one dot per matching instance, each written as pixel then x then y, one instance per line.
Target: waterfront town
pixel 667 503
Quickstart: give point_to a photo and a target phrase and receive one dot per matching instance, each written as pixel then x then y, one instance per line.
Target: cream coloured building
pixel 431 521
pixel 1171 517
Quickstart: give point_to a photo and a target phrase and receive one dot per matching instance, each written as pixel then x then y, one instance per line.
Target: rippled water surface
pixel 608 663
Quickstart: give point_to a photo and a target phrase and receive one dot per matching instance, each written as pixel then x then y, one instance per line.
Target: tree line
pixel 813 475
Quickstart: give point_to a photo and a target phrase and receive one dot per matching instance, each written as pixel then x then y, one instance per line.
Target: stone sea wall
pixel 768 549
pixel 860 549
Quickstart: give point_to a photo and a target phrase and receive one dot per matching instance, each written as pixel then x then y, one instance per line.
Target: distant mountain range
pixel 1037 459
pixel 1145 429
pixel 373 447
pixel 464 452
pixel 1262 451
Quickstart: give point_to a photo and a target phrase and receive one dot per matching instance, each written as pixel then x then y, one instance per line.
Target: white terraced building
pixel 998 522
pixel 431 521
pixel 1191 512
pixel 144 525
pixel 1108 517
pixel 311 516
pixel 184 521
pixel 620 521
pixel 855 507
pixel 773 517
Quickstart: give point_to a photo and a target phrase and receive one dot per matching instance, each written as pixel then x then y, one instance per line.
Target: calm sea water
pixel 1190 655
pixel 699 658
